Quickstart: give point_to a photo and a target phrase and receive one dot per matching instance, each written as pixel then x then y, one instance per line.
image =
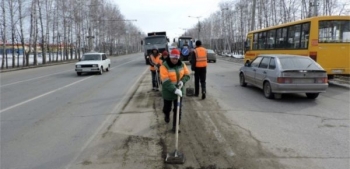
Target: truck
pixel 185 50
pixel 158 39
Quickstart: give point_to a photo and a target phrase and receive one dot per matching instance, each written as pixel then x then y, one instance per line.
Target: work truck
pixel 157 39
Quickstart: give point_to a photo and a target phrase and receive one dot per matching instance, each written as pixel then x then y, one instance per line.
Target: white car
pixel 93 62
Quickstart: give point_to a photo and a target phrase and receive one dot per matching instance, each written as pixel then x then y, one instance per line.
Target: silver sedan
pixel 278 74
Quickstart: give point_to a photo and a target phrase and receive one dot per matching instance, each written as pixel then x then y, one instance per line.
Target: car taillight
pixel 313 55
pixel 321 80
pixel 284 80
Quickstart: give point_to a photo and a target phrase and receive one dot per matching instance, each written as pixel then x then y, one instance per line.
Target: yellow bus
pixel 326 39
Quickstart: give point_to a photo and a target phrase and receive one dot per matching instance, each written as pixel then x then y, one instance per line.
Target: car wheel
pixel 267 90
pixel 79 73
pixel 242 80
pixel 214 61
pixel 101 70
pixel 107 69
pixel 312 95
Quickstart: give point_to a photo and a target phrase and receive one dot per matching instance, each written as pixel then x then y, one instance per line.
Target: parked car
pixel 279 74
pixel 211 55
pixel 93 62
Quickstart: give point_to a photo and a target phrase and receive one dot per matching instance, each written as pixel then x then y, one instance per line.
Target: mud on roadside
pixel 139 138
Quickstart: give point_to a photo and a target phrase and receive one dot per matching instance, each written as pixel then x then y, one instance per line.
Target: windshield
pixel 334 31
pixel 182 42
pixel 158 40
pixel 91 57
pixel 298 63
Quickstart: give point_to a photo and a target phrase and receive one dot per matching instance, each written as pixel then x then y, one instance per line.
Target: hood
pixel 88 62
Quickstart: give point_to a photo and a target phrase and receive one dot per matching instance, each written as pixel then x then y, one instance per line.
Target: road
pixel 51 118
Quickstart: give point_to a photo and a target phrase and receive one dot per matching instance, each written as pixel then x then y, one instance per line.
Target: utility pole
pixel 313 9
pixel 90 37
pixel 199 26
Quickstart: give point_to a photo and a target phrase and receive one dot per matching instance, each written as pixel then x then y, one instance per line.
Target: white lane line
pixel 33 78
pixel 51 75
pixel 114 111
pixel 47 93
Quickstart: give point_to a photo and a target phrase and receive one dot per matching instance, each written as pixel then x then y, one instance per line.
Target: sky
pixel 166 15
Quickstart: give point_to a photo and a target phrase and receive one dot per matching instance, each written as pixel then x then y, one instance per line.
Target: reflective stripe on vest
pixel 201 57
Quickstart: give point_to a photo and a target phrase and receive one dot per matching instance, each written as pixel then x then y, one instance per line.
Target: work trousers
pixel 200 74
pixel 167 109
pixel 154 79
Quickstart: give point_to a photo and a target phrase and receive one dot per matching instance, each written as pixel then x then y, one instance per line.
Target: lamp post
pixel 223 28
pixel 184 30
pixel 199 29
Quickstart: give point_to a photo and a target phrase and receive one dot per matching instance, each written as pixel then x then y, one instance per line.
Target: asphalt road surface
pixel 51 118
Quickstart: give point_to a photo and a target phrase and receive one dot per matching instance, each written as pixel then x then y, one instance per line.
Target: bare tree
pixel 4 53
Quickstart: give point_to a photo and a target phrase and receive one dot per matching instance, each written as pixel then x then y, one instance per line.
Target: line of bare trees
pixel 57 30
pixel 226 29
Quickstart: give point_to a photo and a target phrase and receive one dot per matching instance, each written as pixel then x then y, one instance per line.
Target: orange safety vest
pixel 201 57
pixel 155 60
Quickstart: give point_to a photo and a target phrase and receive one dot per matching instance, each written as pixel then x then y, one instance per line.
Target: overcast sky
pixel 166 15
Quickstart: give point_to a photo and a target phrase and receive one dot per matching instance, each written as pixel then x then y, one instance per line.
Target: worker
pixel 155 63
pixel 164 55
pixel 199 62
pixel 174 74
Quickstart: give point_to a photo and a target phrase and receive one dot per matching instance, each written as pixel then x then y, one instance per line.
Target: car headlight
pixel 94 65
pixel 78 66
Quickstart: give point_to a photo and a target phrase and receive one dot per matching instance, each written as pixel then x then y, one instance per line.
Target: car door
pixel 104 61
pixel 261 71
pixel 251 69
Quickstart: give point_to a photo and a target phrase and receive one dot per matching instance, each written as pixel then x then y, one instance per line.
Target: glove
pixel 178 92
pixel 158 65
pixel 180 84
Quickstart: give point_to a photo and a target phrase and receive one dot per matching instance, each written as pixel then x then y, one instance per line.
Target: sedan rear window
pixel 298 63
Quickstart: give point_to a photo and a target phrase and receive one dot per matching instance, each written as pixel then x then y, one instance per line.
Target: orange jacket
pixel 201 57
pixel 154 61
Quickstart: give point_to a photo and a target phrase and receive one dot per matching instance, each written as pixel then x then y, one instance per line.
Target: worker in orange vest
pixel 199 62
pixel 155 63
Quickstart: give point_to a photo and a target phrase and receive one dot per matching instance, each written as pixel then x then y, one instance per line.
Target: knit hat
pixel 165 53
pixel 175 53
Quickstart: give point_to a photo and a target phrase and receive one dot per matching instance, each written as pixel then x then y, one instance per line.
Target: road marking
pixel 54 74
pixel 33 79
pixel 117 108
pixel 47 93
pixel 37 97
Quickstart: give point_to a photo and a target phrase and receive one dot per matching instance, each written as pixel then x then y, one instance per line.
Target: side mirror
pixel 247 63
pixel 141 42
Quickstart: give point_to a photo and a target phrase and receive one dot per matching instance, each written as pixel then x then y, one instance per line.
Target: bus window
pixel 284 38
pixel 262 40
pixel 271 39
pixel 334 31
pixel 304 39
pixel 255 41
pixel 296 37
pixel 279 38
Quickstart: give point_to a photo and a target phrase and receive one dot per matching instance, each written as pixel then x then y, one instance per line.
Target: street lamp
pixel 223 27
pixel 184 30
pixel 199 29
